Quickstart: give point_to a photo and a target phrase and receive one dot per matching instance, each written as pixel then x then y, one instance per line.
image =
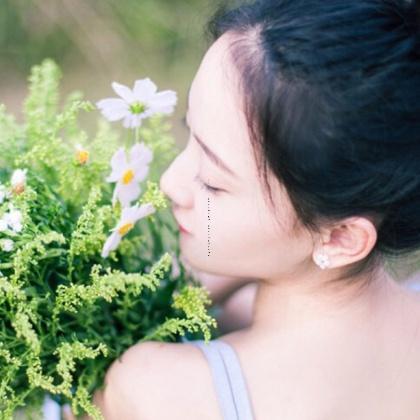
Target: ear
pixel 348 241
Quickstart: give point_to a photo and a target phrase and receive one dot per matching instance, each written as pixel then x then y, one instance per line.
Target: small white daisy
pixel 129 217
pixel 13 218
pixel 18 180
pixel 7 245
pixel 128 172
pixel 82 155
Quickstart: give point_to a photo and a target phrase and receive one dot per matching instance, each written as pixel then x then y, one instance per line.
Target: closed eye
pixel 208 187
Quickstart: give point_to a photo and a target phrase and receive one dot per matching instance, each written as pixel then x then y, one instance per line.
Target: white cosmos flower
pixel 18 180
pixel 7 245
pixel 13 219
pixel 128 171
pixel 129 217
pixel 82 155
pixel 138 103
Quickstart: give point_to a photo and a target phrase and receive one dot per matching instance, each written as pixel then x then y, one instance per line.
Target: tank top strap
pixel 228 379
pixel 235 373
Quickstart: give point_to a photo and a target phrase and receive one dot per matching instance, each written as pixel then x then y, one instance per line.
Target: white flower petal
pixel 163 102
pixel 125 92
pixel 115 175
pixel 17 227
pixel 127 214
pixel 14 219
pixel 113 116
pixel 112 103
pixel 128 193
pixel 134 213
pixel 111 243
pixel 140 154
pixel 147 209
pixel 141 173
pixel 7 245
pixel 144 90
pixel 18 177
pixel 118 164
pixel 14 216
pixel 113 109
pixel 143 211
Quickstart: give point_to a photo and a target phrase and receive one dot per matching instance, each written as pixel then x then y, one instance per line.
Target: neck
pixel 297 304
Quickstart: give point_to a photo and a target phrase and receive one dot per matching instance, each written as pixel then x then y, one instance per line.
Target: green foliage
pixel 192 301
pixel 65 312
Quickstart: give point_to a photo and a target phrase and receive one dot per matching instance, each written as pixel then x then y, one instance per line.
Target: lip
pixel 181 228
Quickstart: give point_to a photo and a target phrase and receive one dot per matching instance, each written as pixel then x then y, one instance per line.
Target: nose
pixel 173 184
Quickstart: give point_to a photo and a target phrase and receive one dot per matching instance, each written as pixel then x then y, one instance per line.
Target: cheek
pixel 212 213
pixel 253 234
pixel 240 236
pixel 245 241
pixel 233 225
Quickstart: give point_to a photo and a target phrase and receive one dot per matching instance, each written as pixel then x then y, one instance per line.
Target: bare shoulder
pixel 154 380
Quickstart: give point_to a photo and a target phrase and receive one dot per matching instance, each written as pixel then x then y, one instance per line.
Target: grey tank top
pixel 228 379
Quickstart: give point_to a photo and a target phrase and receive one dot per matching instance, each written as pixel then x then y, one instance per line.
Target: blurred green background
pixel 96 42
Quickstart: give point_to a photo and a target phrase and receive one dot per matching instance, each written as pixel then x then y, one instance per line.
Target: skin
pixel 296 315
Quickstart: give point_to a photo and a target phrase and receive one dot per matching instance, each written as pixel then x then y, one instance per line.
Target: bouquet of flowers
pixel 88 255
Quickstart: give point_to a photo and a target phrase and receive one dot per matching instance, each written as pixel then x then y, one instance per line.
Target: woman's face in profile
pixel 232 229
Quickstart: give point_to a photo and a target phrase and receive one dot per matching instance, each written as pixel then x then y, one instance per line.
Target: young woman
pixel 301 171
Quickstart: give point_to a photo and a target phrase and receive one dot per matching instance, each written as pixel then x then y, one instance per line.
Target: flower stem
pixel 137 134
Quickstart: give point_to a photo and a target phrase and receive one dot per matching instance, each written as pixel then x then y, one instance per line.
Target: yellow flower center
pixel 82 156
pixel 125 228
pixel 128 176
pixel 19 188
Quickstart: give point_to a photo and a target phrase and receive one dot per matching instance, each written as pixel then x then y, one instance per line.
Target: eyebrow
pixel 212 156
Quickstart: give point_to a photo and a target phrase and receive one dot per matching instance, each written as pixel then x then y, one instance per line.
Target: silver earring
pixel 322 260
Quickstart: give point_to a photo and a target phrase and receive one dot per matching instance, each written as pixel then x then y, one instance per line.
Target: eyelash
pixel 207 187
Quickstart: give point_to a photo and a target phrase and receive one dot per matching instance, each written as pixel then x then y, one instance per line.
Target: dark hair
pixel 331 91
